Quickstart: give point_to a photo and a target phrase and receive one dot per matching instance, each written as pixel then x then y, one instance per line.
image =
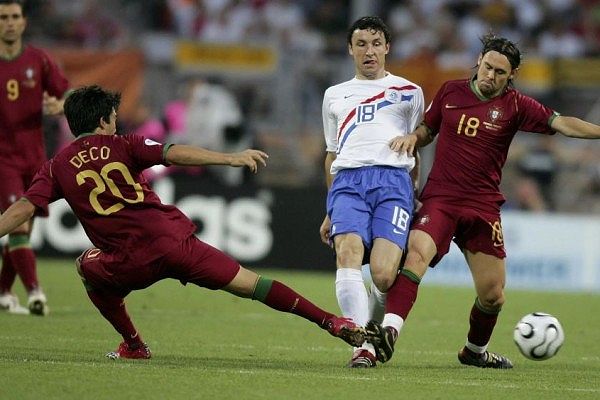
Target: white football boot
pixel 37 302
pixel 10 303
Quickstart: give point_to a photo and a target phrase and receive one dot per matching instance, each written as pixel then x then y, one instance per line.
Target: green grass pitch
pixel 211 345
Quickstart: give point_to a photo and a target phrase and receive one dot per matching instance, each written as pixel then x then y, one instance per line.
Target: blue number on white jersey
pixel 365 113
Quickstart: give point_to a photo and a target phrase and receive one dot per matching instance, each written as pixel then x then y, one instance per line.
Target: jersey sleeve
pixel 145 152
pixel 43 189
pixel 433 114
pixel 416 116
pixel 534 116
pixel 329 125
pixel 55 82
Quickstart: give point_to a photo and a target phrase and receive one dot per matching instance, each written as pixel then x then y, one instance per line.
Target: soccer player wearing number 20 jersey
pixel 474 121
pixel 138 240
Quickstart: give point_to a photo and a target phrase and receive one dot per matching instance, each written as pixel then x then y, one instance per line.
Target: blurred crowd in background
pixel 280 110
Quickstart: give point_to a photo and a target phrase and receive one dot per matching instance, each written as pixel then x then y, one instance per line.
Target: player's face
pixel 369 49
pixel 12 23
pixel 493 73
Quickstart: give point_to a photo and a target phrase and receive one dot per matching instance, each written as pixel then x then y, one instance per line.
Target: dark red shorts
pixel 470 228
pixel 191 261
pixel 13 184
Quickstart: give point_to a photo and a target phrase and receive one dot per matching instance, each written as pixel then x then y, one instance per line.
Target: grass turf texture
pixel 211 345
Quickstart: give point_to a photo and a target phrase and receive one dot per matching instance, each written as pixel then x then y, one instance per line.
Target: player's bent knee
pixel 383 279
pixel 416 263
pixel 78 262
pixel 492 301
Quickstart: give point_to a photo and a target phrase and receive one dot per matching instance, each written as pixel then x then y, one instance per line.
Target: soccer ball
pixel 539 336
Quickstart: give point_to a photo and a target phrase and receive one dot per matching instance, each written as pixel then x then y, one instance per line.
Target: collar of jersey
pixel 474 89
pixel 85 135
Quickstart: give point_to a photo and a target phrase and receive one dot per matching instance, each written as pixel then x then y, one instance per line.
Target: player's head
pixel 92 107
pixel 368 43
pixel 497 65
pixel 12 21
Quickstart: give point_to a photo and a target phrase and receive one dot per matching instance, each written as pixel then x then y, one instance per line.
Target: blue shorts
pixel 372 202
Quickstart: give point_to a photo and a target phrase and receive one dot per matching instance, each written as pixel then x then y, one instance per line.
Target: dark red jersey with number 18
pixel 100 176
pixel 474 135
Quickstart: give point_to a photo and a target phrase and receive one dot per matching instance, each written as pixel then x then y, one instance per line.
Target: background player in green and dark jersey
pixel 138 240
pixel 31 84
pixel 475 121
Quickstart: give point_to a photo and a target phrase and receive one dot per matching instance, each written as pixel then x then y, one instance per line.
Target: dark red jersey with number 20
pixel 100 176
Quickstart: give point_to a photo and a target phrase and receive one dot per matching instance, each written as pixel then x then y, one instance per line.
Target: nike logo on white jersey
pixel 348 95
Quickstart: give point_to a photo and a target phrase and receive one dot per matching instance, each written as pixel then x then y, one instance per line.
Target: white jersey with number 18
pixel 360 117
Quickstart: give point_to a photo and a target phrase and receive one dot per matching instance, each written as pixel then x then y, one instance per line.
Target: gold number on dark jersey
pixel 12 89
pixel 102 180
pixel 470 128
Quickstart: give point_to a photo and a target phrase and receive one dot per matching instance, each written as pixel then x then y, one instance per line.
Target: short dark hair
pixel 19 2
pixel 373 23
pixel 84 107
pixel 503 46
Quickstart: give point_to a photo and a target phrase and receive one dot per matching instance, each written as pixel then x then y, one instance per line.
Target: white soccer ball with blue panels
pixel 539 336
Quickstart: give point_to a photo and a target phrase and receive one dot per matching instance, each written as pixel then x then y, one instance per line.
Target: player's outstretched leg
pixel 487 359
pixel 383 339
pixel 280 297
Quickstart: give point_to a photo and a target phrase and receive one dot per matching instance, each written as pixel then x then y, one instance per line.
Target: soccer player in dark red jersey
pixel 475 121
pixel 31 84
pixel 138 240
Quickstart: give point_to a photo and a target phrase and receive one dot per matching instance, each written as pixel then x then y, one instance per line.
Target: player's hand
pixel 51 105
pixel 401 144
pixel 325 231
pixel 249 158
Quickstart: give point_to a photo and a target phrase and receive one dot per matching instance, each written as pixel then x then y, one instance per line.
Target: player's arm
pixel 420 137
pixel 329 159
pixel 325 228
pixel 575 127
pixel 16 215
pixel 185 155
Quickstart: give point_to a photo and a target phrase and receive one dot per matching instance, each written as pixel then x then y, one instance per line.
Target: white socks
pixel 393 320
pixel 352 295
pixel 376 303
pixel 353 299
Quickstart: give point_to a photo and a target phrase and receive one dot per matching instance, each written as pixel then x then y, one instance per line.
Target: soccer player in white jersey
pixel 371 191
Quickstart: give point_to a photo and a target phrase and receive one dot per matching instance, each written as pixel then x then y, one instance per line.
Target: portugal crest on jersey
pixel 494 113
pixel 29 81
